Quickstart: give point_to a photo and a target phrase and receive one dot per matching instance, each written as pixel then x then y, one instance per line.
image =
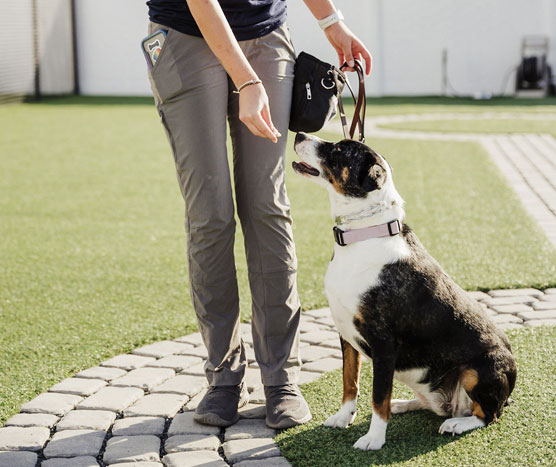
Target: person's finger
pixel 265 114
pixel 253 129
pixel 343 61
pixel 340 57
pixel 359 58
pixel 363 52
pixel 263 128
pixel 348 55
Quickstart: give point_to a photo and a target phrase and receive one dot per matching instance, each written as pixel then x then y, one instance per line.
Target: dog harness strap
pixel 345 237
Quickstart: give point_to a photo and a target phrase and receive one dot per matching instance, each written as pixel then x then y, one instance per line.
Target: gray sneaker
pixel 220 404
pixel 285 406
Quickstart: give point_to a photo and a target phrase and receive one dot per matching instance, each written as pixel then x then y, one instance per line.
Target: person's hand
pixel 254 112
pixel 347 46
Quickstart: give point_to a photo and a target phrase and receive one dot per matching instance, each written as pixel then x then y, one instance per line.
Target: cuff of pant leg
pixel 288 376
pixel 225 377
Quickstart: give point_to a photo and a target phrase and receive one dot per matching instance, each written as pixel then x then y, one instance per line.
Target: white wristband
pixel 332 19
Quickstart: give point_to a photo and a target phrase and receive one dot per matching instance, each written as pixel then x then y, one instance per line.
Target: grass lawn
pixel 523 436
pixel 92 242
pixel 478 126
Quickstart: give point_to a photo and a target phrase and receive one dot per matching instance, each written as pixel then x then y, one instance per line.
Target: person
pixel 235 59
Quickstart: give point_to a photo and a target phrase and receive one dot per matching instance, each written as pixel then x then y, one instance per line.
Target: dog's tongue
pixel 303 167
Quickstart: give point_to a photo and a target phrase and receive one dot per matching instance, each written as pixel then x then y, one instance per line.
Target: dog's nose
pixel 299 137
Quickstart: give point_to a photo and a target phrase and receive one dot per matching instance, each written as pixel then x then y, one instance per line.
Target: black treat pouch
pixel 317 87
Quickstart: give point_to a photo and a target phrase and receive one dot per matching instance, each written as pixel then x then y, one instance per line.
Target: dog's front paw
pixel 341 419
pixel 459 425
pixel 370 442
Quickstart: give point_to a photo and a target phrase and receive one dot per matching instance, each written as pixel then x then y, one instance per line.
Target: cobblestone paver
pixel 135 426
pixel 18 459
pixel 100 420
pixel 75 443
pixel 141 448
pixel 140 412
pixel 181 443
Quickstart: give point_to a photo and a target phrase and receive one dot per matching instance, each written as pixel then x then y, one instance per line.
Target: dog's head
pixel 355 176
pixel 348 169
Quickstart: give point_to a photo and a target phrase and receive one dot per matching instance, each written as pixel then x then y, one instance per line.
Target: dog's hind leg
pixel 352 366
pixel 383 378
pixel 403 406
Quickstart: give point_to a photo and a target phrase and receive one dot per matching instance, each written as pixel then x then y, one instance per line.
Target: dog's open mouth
pixel 304 168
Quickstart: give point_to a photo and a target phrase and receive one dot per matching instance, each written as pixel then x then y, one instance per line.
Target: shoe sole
pixel 214 419
pixel 289 423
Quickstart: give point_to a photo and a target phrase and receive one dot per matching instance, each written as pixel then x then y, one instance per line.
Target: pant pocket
pixel 165 77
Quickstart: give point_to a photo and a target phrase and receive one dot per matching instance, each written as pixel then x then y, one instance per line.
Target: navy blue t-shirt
pixel 248 19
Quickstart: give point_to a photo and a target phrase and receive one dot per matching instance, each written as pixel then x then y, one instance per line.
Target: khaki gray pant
pixel 193 95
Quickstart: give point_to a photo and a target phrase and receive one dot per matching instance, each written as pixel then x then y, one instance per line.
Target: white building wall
pixel 483 40
pixel 406 38
pixel 108 44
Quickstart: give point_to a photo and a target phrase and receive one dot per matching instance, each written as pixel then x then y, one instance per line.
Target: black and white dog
pixel 393 303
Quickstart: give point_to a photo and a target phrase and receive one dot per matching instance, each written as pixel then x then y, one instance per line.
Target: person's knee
pixel 210 230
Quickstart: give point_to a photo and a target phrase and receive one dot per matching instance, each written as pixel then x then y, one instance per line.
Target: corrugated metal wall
pixel 18 55
pixel 37 48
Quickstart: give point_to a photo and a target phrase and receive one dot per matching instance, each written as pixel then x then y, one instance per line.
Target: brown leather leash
pixel 360 105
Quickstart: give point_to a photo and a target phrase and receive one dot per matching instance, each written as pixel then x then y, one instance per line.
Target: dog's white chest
pixel 353 271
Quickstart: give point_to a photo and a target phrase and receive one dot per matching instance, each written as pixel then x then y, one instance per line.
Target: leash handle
pixel 360 105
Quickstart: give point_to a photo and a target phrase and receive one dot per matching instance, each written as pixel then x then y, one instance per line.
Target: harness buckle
pixel 394 227
pixel 338 236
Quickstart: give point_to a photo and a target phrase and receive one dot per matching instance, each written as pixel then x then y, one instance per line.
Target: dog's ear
pixel 373 179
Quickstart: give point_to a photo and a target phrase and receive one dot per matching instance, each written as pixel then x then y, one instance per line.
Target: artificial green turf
pixel 490 125
pixel 524 435
pixel 93 252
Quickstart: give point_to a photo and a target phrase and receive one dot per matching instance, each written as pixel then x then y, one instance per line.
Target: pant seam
pixel 258 246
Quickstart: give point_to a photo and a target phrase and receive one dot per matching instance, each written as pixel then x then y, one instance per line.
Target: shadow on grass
pixel 408 436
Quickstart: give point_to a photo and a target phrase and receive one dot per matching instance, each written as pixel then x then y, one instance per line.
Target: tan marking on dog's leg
pixel 352 367
pixel 384 409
